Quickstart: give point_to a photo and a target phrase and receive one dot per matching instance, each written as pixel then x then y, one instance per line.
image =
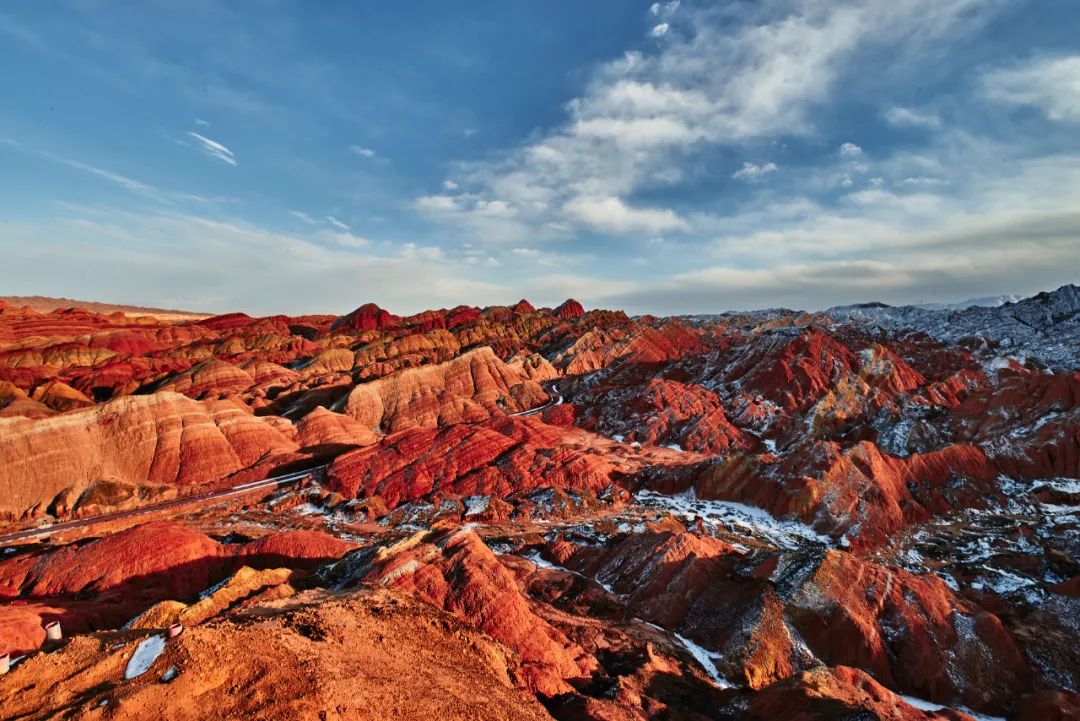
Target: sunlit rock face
pixel 522 512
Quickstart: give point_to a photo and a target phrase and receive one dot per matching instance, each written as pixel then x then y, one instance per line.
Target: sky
pixel 673 157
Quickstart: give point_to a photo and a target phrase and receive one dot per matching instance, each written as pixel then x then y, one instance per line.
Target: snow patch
pixel 705 658
pixel 145 654
pixel 924 705
pixel 476 504
pixel 736 518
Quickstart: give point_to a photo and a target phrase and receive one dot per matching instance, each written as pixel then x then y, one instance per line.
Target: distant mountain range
pixel 46 304
pixel 1044 327
pixel 991 301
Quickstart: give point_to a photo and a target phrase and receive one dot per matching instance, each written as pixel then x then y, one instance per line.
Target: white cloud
pixel 645 119
pixel 921 180
pixel 132 185
pixel 907 117
pixel 611 215
pixel 1050 84
pixel 362 151
pixel 337 223
pixel 752 172
pixel 346 239
pixel 971 233
pixel 231 265
pixel 850 150
pixel 449 185
pixel 667 8
pixel 540 258
pixel 444 205
pixel 214 149
pixel 659 30
pixel 202 123
pixel 300 215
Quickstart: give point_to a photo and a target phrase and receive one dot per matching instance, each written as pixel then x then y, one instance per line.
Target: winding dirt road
pixel 252 486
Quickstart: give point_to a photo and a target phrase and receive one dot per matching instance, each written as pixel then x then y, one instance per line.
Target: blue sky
pixel 664 157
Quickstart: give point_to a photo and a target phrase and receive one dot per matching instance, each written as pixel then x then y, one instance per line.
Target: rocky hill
pixel 514 512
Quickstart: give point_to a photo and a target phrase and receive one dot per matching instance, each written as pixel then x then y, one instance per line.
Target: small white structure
pixel 53 632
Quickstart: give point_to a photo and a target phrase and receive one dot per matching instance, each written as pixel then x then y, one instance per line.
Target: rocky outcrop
pixel 663 412
pixel 367 317
pixel 639 347
pixel 823 694
pixel 770 620
pixel 15 402
pixel 569 310
pixel 495 459
pixel 296 659
pixel 163 438
pixel 210 379
pixel 1045 326
pixel 523 307
pixel 472 387
pixel 455 571
pixel 109 581
pixel 321 428
pixel 860 494
pixel 765 514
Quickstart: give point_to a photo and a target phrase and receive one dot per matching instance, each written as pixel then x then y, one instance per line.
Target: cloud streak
pixel 908 117
pixel 214 149
pixel 1052 85
pixel 337 224
pixel 136 187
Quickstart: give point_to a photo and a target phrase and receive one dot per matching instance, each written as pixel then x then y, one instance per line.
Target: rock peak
pixel 367 317
pixel 570 309
pixel 523 307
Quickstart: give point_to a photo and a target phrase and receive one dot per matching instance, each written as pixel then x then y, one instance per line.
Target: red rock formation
pixel 227 321
pixel 663 412
pixel 109 581
pixel 179 561
pixel 912 633
pixel 455 571
pixel 60 396
pixel 863 433
pixel 496 459
pixel 360 655
pixel 462 315
pixel 367 317
pixel 434 346
pixel 470 388
pixel 860 493
pixel 295 549
pixel 266 374
pixel 823 694
pixel 637 347
pixel 163 438
pixel 850 611
pixel 794 371
pixel 569 310
pixel 14 402
pixel 210 379
pixel 321 427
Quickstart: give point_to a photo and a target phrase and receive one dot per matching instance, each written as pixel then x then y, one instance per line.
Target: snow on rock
pixel 924 705
pixel 736 518
pixel 705 658
pixel 145 654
